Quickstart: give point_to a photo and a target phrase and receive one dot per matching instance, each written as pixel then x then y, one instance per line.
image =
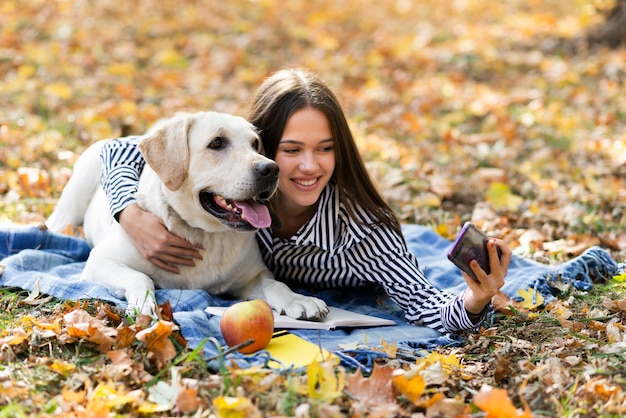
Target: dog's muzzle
pixel 245 214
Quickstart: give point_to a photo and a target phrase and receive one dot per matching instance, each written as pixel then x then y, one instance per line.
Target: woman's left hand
pixel 480 292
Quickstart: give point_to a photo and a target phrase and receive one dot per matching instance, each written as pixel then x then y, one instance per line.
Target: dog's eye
pixel 256 145
pixel 217 143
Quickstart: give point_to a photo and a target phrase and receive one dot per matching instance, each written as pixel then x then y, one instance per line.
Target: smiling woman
pixel 306 157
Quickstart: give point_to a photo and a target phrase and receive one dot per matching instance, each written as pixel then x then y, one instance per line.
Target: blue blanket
pixel 32 257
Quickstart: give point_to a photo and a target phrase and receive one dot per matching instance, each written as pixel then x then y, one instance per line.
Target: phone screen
pixel 470 244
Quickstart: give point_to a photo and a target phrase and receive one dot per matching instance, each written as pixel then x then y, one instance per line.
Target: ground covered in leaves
pixel 492 111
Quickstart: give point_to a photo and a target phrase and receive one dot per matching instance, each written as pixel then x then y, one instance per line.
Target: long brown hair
pixel 290 90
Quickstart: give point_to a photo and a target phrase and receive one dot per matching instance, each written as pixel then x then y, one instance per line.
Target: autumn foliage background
pixel 490 110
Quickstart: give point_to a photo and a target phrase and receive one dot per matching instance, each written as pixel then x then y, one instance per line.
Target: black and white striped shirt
pixel 333 250
pixel 330 250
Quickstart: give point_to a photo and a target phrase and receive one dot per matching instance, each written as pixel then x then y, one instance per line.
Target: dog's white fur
pixel 183 159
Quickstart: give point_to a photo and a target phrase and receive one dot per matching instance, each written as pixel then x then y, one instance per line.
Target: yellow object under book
pixel 288 350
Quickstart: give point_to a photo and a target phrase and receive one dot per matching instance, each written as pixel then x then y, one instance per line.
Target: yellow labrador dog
pixel 207 180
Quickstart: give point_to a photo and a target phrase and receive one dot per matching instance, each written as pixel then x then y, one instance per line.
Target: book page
pixel 336 318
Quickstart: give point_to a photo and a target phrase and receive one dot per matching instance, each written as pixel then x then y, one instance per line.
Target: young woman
pixel 331 228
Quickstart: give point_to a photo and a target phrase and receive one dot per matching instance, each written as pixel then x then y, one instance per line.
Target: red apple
pixel 250 319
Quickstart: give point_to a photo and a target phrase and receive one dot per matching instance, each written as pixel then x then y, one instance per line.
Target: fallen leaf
pixel 531 299
pixel 377 389
pixel 501 197
pixel 62 367
pixel 497 404
pixel 34 298
pixel 501 303
pixel 157 341
pixel 503 368
pixel 446 407
pixel 325 383
pixel 235 407
pixel 410 384
pixel 188 400
pixel 449 362
pixel 390 348
pixel 81 324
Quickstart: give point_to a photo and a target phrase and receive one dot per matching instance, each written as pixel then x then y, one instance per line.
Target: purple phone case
pixel 470 244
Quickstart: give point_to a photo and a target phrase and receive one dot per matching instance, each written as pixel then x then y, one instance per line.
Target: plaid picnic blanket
pixel 32 258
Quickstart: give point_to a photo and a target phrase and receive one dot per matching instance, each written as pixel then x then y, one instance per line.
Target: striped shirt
pixel 331 250
pixel 122 163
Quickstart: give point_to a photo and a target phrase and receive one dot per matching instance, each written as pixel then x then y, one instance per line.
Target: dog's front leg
pixel 134 286
pixel 283 300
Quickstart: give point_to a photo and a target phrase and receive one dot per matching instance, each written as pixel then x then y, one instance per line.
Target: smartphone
pixel 470 244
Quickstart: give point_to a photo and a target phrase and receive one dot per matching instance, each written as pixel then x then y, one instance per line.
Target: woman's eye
pixel 217 143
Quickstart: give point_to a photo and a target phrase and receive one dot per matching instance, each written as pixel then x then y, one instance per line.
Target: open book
pixel 336 318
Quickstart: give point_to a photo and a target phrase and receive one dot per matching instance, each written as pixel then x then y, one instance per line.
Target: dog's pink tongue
pixel 258 215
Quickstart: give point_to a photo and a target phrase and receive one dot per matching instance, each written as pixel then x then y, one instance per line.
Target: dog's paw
pixel 134 311
pixel 306 307
pixel 145 305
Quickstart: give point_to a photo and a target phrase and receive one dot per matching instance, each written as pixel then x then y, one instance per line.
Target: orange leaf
pixel 82 325
pixel 497 404
pixel 188 400
pixel 410 384
pixel 372 391
pixel 156 339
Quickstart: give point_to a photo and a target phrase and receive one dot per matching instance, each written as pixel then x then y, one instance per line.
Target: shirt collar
pixel 322 228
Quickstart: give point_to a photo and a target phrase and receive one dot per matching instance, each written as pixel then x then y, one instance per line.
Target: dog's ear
pixel 167 151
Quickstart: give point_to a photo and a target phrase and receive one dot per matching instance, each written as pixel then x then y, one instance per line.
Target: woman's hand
pixel 155 242
pixel 480 293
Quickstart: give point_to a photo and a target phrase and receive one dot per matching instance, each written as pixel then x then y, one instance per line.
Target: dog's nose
pixel 267 169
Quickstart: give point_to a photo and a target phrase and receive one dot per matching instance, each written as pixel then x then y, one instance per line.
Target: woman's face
pixel 306 158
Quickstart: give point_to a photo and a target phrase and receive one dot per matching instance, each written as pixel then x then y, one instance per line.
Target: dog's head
pixel 211 164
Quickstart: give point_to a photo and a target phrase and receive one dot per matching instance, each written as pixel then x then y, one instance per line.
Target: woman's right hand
pixel 155 242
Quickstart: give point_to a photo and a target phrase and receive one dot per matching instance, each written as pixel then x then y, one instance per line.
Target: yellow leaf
pixel 147 407
pixel 29 322
pixel 127 107
pixel 235 407
pixel 62 367
pixel 531 298
pixel 26 71
pixel 620 278
pixel 500 196
pixel 443 230
pixel 390 348
pixel 410 384
pixel 171 58
pixel 18 336
pixel 121 69
pixel 324 383
pixel 60 90
pixel 448 363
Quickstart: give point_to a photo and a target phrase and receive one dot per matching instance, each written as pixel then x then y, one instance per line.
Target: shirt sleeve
pixel 390 264
pixel 122 164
